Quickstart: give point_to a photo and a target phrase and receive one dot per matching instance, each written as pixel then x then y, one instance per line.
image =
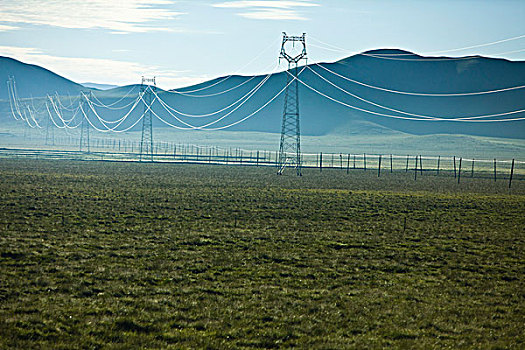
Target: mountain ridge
pixel 320 116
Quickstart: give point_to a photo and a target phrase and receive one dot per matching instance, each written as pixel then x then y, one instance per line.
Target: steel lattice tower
pixel 290 148
pixel 50 131
pixel 84 126
pixel 13 95
pixel 146 142
pixel 10 91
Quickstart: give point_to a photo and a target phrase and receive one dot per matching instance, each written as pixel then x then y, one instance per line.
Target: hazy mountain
pixel 32 80
pixel 99 86
pixel 320 116
pixel 412 74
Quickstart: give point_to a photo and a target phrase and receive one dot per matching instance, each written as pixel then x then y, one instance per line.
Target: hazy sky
pixel 183 42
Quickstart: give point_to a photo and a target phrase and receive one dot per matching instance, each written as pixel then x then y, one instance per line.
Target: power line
pixel 110 106
pixel 32 116
pixel 218 93
pixel 407 113
pixel 57 111
pixel 421 93
pixel 220 118
pixel 247 95
pixel 68 108
pixel 118 121
pixel 226 77
pixel 111 129
pixel 11 103
pixel 380 56
pixel 409 118
pixel 260 108
pixel 231 124
pixel 253 92
pixel 336 48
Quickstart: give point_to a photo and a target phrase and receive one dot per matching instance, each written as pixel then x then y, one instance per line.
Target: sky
pixel 186 42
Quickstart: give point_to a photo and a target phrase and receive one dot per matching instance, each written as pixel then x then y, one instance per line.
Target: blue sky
pixel 185 42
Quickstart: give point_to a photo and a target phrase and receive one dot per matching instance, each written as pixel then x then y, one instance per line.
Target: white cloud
pixel 274 14
pixel 119 16
pixel 269 9
pixel 265 3
pixel 100 70
pixel 5 28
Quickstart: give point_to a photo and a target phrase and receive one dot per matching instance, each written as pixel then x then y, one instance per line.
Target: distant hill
pixel 32 80
pixel 99 86
pixel 393 69
pixel 411 73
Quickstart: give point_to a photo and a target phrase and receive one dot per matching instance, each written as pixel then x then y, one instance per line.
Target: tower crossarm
pixel 294 39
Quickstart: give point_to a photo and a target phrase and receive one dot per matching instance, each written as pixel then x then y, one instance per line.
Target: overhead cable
pixel 455 94
pixel 412 118
pixel 240 101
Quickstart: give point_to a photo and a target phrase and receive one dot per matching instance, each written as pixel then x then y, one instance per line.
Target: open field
pixel 345 141
pixel 130 255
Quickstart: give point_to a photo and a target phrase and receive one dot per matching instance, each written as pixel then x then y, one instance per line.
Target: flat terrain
pixel 348 140
pixel 127 255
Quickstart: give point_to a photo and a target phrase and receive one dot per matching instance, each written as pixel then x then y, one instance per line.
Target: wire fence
pixel 381 164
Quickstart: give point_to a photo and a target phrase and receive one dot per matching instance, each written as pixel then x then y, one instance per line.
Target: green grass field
pixel 123 255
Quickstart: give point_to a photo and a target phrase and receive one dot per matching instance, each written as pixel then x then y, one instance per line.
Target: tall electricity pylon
pixel 10 94
pixel 84 126
pixel 146 142
pixel 13 96
pixel 50 130
pixel 15 92
pixel 290 148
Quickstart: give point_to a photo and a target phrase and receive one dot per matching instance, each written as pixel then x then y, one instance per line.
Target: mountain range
pixel 388 69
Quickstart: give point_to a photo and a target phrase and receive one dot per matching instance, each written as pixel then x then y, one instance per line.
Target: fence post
pixel 511 173
pixel 472 173
pixel 421 164
pixel 379 167
pixel 364 160
pixel 321 162
pixel 459 170
pixel 348 164
pixel 406 169
pixel 495 170
pixel 391 165
pixel 439 160
pixel 455 174
pixel 415 170
pixel 257 158
pixel 354 161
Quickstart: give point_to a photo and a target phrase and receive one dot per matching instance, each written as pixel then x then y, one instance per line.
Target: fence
pixel 417 165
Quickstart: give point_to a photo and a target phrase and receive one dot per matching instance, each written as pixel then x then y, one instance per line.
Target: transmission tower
pixel 10 93
pixel 290 148
pixel 13 96
pixel 14 90
pixel 84 126
pixel 50 131
pixel 146 142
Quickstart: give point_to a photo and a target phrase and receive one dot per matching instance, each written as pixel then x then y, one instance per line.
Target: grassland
pixel 121 255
